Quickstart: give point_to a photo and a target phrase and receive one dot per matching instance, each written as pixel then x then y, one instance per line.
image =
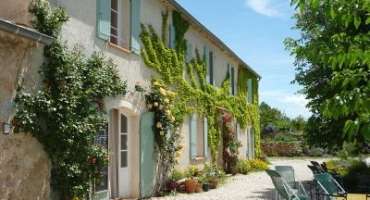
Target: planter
pixel 16 11
pixel 191 185
pixel 205 187
pixel 213 183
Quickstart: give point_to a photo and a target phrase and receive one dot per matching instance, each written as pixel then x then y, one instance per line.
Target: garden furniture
pixel 284 189
pixel 330 186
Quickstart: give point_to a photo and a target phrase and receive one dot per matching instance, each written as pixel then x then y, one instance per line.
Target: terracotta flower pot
pixel 191 185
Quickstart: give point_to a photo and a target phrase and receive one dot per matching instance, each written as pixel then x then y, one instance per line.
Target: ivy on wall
pixel 68 112
pixel 193 93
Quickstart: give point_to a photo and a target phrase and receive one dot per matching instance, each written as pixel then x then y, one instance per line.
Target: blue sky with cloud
pixel 255 30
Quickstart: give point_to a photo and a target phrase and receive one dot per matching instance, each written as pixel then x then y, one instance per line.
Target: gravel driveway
pixel 253 186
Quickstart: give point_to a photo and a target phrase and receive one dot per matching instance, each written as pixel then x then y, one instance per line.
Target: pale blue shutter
pixel 172 37
pixel 206 60
pixel 189 52
pixel 205 131
pixel 103 8
pixel 250 91
pixel 135 26
pixel 193 136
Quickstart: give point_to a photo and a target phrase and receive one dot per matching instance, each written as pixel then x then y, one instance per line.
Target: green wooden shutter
pixel 250 91
pixel 135 25
pixel 103 14
pixel 147 155
pixel 193 136
pixel 205 131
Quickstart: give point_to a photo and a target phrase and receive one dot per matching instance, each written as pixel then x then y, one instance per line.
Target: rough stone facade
pixel 24 168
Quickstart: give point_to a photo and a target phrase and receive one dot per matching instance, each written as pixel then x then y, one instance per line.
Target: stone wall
pixel 20 62
pixel 24 168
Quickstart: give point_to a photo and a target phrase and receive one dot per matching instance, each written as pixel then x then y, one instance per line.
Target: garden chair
pixel 330 186
pixel 314 169
pixel 284 189
pixel 287 172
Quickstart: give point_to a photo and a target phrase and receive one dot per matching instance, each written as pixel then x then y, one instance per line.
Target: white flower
pixel 159 125
pixel 156 104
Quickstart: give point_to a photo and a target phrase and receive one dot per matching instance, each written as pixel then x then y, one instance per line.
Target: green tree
pixel 332 65
pixel 273 117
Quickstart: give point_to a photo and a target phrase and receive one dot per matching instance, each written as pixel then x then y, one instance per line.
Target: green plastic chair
pixel 330 186
pixel 287 172
pixel 284 189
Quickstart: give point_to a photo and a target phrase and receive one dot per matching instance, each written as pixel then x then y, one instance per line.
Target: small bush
pixel 192 171
pixel 282 149
pixel 258 165
pixel 176 175
pixel 243 166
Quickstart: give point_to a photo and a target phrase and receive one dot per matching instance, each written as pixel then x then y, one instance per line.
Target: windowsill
pixel 199 159
pixel 123 49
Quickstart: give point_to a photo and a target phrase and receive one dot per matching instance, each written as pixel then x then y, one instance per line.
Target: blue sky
pixel 255 30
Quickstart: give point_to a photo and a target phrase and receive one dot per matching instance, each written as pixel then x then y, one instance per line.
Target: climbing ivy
pixel 68 112
pixel 193 93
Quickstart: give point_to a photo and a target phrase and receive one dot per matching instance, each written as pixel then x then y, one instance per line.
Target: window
pixel 102 140
pixel 231 76
pixel 123 141
pixel 198 137
pixel 210 67
pixel 120 23
pixel 232 80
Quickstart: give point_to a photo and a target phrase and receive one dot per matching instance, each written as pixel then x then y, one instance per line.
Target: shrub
pixel 243 166
pixel 192 171
pixel 176 175
pixel 282 149
pixel 258 165
pixel 212 172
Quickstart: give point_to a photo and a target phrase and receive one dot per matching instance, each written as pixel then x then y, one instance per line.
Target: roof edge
pixel 183 11
pixel 25 32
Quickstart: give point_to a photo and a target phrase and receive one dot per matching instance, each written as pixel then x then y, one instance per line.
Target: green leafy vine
pixel 193 93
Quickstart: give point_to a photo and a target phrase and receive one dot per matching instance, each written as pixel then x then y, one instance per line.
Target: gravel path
pixel 253 186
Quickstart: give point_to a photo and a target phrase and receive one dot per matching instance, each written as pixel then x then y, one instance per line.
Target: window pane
pixel 123 124
pixel 123 142
pixel 123 158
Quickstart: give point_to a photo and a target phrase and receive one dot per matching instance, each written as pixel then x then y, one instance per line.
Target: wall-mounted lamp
pixel 7 128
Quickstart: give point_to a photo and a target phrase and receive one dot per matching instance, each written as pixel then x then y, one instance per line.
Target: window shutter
pixel 206 60
pixel 103 8
pixel 135 25
pixel 189 52
pixel 250 91
pixel 172 37
pixel 205 133
pixel 193 136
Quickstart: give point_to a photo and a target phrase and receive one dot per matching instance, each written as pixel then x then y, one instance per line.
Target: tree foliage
pixel 68 112
pixel 332 65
